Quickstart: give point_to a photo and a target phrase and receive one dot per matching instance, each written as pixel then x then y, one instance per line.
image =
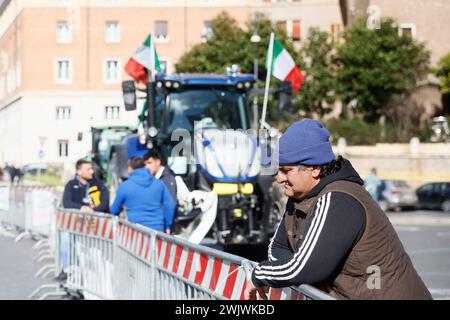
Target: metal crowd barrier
pixel 115 259
pixel 91 250
pixel 188 271
pixel 28 210
pixel 134 263
pixel 14 217
pixel 112 259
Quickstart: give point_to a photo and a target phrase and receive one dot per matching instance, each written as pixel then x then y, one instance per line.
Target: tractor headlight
pixel 169 84
pixel 237 213
pixel 152 132
pixel 244 85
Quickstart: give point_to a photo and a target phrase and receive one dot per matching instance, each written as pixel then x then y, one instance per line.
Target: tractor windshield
pixel 106 139
pixel 222 108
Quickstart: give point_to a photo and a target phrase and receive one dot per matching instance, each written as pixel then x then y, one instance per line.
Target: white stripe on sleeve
pixel 296 264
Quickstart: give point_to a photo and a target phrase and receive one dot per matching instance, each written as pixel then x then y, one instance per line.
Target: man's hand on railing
pixel 167 231
pixel 251 290
pixel 86 209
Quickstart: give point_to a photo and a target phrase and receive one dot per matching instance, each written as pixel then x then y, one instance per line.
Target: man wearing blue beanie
pixel 333 235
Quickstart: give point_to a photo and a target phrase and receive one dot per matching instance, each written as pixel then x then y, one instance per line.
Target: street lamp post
pixel 255 39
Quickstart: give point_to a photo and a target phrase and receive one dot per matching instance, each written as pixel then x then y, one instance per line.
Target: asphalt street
pixel 17 267
pixel 424 234
pixel 426 237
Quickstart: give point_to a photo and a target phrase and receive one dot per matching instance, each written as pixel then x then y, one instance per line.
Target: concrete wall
pixel 424 163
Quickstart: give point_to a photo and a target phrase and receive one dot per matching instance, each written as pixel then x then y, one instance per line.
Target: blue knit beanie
pixel 305 142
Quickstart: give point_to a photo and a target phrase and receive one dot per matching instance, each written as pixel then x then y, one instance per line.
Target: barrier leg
pixel 41 253
pixel 153 269
pixel 41 243
pixel 22 235
pixel 45 257
pixel 46 268
pixel 49 270
pixel 57 291
pixel 53 294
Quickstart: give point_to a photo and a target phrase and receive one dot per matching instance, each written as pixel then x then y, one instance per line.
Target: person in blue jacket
pixel 147 200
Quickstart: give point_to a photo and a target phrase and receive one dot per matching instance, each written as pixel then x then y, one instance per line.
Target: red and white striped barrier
pixel 89 247
pixel 146 264
pixel 134 241
pixel 285 294
pixel 96 225
pixel 216 275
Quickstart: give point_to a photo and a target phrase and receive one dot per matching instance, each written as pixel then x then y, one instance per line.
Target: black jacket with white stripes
pixel 338 224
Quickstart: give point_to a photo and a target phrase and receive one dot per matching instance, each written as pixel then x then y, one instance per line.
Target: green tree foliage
pixel 443 72
pixel 227 46
pixel 230 44
pixel 317 92
pixel 378 66
pixel 359 132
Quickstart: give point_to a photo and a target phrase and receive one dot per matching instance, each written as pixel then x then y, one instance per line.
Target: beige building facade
pixel 62 61
pixel 425 20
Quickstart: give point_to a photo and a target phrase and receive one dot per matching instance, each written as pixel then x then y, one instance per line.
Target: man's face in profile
pixel 85 171
pixel 297 181
pixel 153 165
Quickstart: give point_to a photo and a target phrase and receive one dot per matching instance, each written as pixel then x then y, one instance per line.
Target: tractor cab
pixel 195 107
pixel 201 125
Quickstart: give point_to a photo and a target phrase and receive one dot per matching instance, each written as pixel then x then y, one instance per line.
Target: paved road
pixel 426 237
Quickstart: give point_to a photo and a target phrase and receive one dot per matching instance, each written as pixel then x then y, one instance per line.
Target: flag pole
pixel 264 124
pixel 152 58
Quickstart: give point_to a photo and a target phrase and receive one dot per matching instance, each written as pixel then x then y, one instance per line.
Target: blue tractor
pixel 202 127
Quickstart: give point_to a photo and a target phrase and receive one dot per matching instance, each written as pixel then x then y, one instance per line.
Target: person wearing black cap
pixel 333 235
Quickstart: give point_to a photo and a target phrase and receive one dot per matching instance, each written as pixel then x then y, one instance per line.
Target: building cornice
pixel 63 94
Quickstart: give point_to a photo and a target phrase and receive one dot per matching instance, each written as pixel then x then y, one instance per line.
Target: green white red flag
pixel 283 66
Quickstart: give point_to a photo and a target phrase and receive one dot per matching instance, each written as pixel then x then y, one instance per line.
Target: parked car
pixel 434 195
pixel 396 195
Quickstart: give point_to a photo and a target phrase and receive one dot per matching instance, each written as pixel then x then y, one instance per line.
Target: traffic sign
pixel 42 141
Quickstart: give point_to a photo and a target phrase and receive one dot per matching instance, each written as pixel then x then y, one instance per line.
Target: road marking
pixel 430 250
pixel 418 220
pixel 435 274
pixel 443 234
pixel 444 294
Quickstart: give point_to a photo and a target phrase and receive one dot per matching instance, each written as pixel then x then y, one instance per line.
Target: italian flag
pixel 143 60
pixel 282 66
